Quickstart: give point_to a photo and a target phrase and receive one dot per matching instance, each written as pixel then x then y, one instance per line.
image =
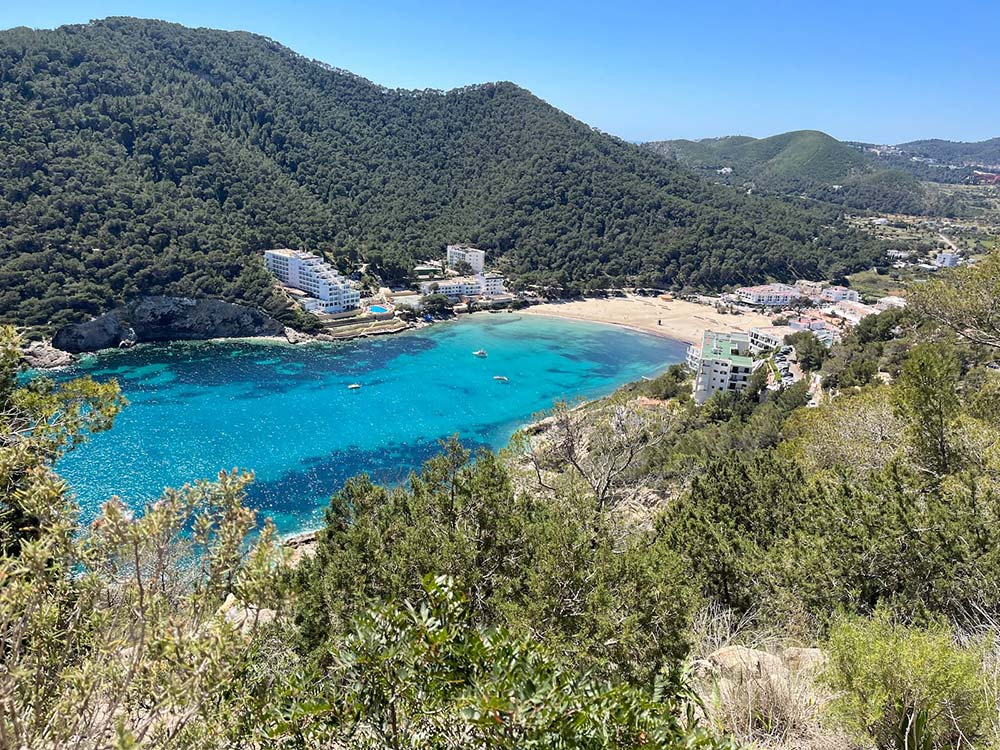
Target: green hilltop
pixel 801 154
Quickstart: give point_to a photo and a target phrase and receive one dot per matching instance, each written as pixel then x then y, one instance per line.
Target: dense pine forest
pixel 141 157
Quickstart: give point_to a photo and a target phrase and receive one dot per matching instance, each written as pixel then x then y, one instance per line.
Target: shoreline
pixel 677 320
pixel 625 326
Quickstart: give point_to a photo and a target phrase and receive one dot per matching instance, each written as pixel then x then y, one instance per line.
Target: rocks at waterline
pixel 41 355
pixel 166 319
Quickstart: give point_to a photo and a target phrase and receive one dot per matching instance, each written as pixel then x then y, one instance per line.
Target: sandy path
pixel 677 319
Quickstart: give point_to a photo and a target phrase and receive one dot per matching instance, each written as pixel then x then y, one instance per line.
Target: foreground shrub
pixel 903 687
pixel 425 675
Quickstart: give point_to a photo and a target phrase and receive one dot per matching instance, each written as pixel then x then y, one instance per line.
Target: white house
pixel 765 338
pixel 839 294
pixel 327 290
pixel 721 363
pixel 772 295
pixel 947 260
pixel 475 257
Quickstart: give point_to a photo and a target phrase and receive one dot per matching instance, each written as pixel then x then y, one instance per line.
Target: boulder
pixel 244 617
pixel 41 355
pixel 804 659
pixel 166 319
pixel 297 337
pixel 740 663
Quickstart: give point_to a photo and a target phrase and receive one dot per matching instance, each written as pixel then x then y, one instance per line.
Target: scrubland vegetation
pixel 637 572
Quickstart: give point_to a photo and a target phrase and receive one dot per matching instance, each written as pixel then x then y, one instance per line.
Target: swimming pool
pixel 377 309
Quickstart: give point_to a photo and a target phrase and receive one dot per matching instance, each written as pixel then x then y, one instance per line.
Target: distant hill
pixel 142 157
pixel 798 155
pixel 814 164
pixel 956 152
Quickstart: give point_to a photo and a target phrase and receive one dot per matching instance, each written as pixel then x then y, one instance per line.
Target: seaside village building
pixel 475 257
pixel 771 295
pixel 481 285
pixel 721 363
pixel 839 294
pixel 327 291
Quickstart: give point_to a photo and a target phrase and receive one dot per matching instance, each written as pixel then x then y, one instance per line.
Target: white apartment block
pixel 475 257
pixel 328 291
pixel 480 285
pixel 772 295
pixel 947 260
pixel 492 284
pixel 721 363
pixel 765 338
pixel 839 294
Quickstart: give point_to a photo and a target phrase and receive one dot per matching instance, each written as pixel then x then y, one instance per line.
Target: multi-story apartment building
pixel 328 291
pixel 475 257
pixel 480 285
pixel 771 295
pixel 721 363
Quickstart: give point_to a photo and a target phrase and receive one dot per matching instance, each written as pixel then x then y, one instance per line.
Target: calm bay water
pixel 286 412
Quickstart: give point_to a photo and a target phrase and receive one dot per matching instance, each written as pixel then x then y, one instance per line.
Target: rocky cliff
pixel 166 319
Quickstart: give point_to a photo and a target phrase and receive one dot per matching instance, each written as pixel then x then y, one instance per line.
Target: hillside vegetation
pixel 814 164
pixel 956 152
pixel 142 157
pixel 571 591
pixel 802 154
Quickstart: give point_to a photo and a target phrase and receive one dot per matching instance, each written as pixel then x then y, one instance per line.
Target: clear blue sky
pixel 882 70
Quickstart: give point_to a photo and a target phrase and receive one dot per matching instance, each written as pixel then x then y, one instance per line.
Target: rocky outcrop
pixel 41 355
pixel 297 337
pixel 166 319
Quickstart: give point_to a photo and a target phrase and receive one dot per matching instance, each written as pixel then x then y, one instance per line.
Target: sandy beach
pixel 677 319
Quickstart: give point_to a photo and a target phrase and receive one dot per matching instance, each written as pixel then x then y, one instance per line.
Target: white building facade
pixel 480 285
pixel 946 260
pixel 328 291
pixel 721 363
pixel 771 295
pixel 475 257
pixel 839 294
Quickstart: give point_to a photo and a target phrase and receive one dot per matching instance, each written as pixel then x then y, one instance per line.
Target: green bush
pixel 903 687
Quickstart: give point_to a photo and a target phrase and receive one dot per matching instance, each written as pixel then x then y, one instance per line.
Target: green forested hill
pixel 814 164
pixel 802 154
pixel 804 162
pixel 956 152
pixel 143 157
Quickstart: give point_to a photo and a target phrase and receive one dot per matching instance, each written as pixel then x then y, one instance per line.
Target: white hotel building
pixel 475 257
pixel 776 295
pixel 480 285
pixel 721 363
pixel 328 291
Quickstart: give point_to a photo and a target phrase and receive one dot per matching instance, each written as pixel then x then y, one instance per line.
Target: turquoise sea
pixel 286 411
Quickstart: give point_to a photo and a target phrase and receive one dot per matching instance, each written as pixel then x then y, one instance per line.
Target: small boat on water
pixel 480 353
pixel 501 379
pixel 353 386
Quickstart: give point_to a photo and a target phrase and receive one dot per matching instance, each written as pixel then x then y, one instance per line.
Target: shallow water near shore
pixel 286 411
